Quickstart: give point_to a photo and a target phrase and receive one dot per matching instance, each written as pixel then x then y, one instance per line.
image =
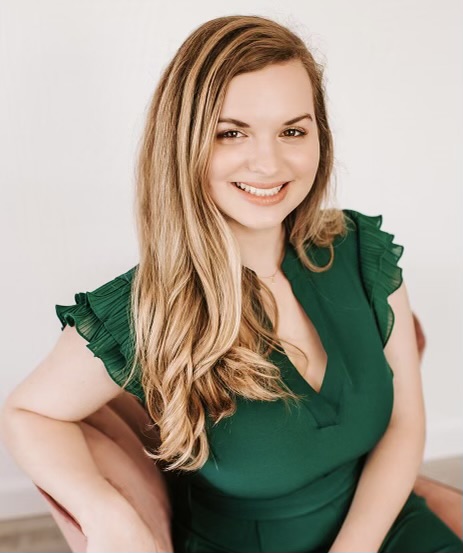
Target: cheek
pixel 311 161
pixel 217 190
pixel 222 161
pixel 305 163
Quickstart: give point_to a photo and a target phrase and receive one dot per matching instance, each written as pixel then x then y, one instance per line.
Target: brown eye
pixel 302 133
pixel 226 134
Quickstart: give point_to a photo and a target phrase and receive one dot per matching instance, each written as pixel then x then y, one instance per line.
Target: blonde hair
pixel 201 332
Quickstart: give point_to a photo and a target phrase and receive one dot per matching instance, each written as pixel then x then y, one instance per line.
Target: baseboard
pixel 444 439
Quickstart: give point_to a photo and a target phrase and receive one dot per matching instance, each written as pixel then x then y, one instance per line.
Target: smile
pixel 261 192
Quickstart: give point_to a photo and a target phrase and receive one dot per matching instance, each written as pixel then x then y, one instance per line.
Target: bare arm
pixel 39 425
pixel 55 455
pixel 392 466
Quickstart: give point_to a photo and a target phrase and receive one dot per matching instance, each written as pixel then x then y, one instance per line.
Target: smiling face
pixel 272 140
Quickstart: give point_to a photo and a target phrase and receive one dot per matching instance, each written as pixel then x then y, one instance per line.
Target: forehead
pixel 276 91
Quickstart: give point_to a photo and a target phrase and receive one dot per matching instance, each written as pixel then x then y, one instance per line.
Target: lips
pixel 261 197
pixel 261 192
pixel 262 186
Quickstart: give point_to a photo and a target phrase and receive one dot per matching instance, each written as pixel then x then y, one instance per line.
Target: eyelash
pixel 222 135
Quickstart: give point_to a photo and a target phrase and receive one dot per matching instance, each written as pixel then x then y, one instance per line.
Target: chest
pixel 297 330
pixel 346 394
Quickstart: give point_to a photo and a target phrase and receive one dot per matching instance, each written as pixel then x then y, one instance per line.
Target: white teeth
pixel 258 191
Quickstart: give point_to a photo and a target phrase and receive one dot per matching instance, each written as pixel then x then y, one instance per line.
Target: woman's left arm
pixel 391 468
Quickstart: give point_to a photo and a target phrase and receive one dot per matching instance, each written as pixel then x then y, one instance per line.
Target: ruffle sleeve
pixel 102 317
pixel 380 272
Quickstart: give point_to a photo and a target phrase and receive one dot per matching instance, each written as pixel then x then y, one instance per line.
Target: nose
pixel 264 157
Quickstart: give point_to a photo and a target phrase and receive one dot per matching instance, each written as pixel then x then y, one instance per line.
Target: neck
pixel 261 249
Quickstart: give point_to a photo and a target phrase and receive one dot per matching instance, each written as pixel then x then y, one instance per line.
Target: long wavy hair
pixel 203 324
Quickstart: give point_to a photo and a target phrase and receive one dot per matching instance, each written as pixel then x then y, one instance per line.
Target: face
pixel 273 141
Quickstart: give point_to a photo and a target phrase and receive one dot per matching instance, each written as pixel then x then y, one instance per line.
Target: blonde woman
pixel 268 335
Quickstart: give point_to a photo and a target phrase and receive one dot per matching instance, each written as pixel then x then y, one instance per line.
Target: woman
pixel 271 339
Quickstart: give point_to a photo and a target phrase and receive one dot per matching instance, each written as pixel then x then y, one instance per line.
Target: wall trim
pixel 444 439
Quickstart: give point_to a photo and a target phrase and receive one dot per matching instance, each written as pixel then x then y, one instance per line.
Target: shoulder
pixel 348 226
pixel 377 255
pixel 358 223
pixel 108 303
pixel 102 317
pixel 373 243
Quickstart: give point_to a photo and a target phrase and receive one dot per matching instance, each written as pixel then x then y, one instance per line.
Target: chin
pixel 256 223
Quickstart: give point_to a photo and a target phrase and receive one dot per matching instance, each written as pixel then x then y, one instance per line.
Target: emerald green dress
pixel 278 479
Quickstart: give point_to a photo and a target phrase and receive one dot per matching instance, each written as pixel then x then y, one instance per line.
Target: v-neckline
pixel 324 404
pixel 291 268
pixel 303 383
pixel 321 335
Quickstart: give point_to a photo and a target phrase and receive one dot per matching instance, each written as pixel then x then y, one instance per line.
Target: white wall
pixel 76 78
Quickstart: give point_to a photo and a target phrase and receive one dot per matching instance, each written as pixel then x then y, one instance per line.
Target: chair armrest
pixel 67 524
pixel 445 501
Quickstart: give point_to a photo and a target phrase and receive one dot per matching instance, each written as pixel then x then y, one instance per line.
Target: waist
pixel 316 495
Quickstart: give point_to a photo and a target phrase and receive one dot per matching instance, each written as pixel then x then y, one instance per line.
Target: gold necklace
pixel 271 276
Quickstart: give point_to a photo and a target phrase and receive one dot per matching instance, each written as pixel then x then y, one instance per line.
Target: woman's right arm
pixel 39 426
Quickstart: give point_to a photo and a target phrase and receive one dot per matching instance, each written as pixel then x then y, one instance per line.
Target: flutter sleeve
pixel 102 317
pixel 380 272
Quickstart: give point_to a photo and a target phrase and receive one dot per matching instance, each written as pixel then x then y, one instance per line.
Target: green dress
pixel 280 480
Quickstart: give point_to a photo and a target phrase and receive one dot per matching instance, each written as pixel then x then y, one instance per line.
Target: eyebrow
pixel 246 125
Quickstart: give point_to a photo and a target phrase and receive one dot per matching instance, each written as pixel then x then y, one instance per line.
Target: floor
pixel 40 534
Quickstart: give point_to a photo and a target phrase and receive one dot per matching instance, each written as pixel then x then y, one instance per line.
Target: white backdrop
pixel 76 78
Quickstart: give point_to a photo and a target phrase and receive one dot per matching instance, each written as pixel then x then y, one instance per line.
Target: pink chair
pixel 116 435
